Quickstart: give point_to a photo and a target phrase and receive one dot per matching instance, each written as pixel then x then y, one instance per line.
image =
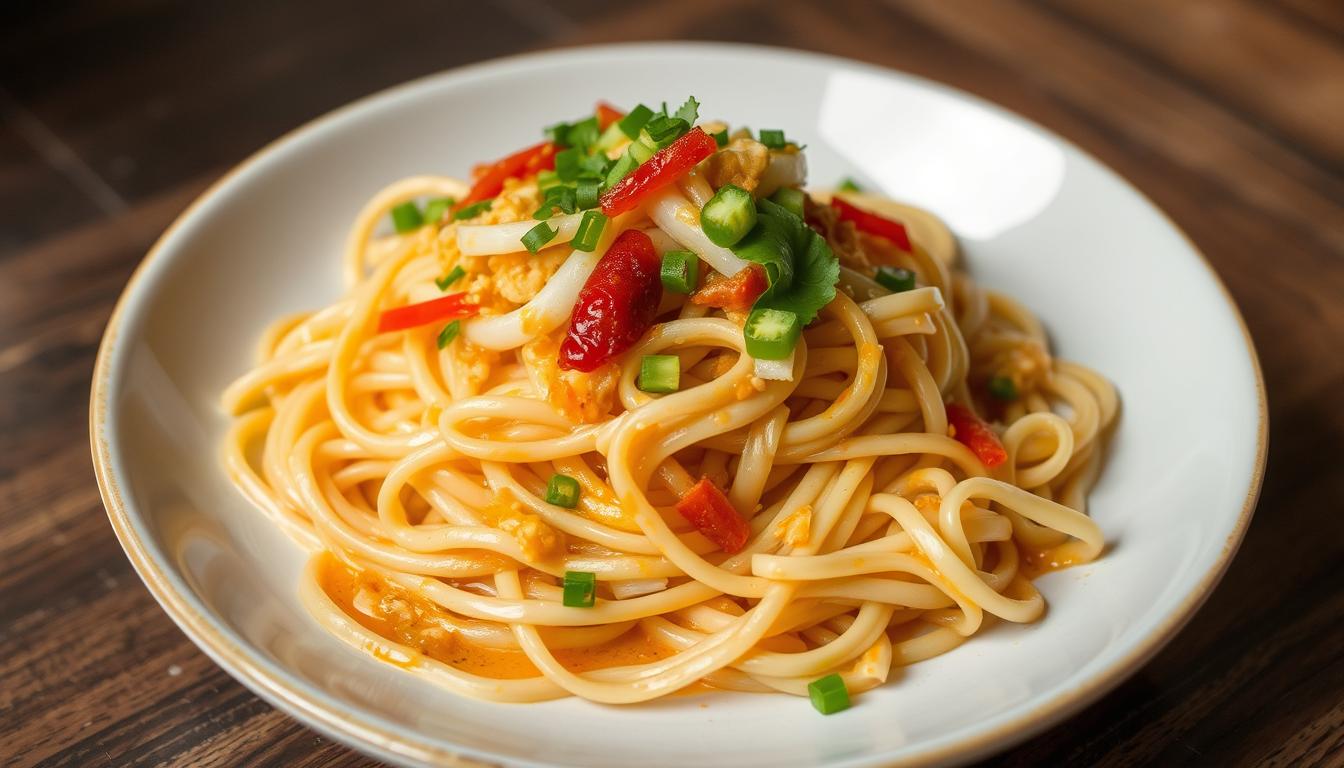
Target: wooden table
pixel 116 114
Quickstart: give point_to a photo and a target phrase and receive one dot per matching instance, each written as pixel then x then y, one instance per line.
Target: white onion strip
pixel 494 239
pixel 676 216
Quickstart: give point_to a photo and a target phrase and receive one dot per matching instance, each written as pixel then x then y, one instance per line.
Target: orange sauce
pixel 401 616
pixel 1037 562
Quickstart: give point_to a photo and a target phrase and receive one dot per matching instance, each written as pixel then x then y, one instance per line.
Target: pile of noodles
pixel 877 538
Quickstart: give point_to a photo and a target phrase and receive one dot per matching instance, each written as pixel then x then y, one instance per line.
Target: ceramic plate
pixel 1117 284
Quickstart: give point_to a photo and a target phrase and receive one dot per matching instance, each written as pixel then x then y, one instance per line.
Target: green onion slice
pixel 454 274
pixel 728 216
pixel 771 334
pixel 680 271
pixel 587 194
pixel 449 333
pixel 580 590
pixel 659 374
pixel 473 210
pixel 590 229
pixel 563 491
pixel 849 185
pixel 1003 388
pixel 895 279
pixel 633 122
pixel 538 236
pixel 406 218
pixel 773 138
pixel 829 694
pixel 721 138
pixel 791 198
pixel 436 207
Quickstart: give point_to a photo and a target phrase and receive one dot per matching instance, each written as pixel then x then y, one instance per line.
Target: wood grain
pixel 114 115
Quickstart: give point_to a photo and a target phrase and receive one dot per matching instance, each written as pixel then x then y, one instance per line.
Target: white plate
pixel 1118 285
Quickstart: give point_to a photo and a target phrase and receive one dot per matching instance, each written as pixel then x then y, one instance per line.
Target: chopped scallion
pixel 538 236
pixel 633 122
pixel 728 216
pixel 590 229
pixel 436 207
pixel 771 334
pixel 1003 388
pixel 547 179
pixel 580 589
pixel 623 166
pixel 587 194
pixel 791 198
pixel 664 130
pixel 773 138
pixel 895 279
pixel 449 333
pixel 473 210
pixel 829 694
pixel 721 138
pixel 406 218
pixel 680 271
pixel 567 163
pixel 562 491
pixel 455 274
pixel 659 374
pixel 849 185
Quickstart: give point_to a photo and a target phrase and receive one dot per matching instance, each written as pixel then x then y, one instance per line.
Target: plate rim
pixel 369 733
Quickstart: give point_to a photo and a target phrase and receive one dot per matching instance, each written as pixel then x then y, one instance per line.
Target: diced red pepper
pixel 666 166
pixel 606 115
pixel 972 432
pixel 616 305
pixel 490 177
pixel 413 315
pixel 736 293
pixel 867 221
pixel 705 507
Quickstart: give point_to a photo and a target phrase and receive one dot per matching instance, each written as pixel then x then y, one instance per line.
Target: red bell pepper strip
pixel 490 178
pixel 616 305
pixel 969 430
pixel 413 315
pixel 736 293
pixel 606 115
pixel 706 508
pixel 867 221
pixel 666 166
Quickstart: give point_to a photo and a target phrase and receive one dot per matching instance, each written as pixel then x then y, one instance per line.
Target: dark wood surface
pixel 114 115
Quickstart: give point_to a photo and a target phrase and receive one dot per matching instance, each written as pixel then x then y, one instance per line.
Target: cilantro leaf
pixel 690 111
pixel 799 265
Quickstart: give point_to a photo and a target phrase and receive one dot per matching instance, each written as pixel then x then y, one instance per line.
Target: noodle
pixel 417 473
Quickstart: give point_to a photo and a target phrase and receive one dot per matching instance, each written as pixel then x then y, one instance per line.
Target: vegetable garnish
pixel 538 236
pixel 413 315
pixel 590 229
pixel 771 334
pixel 454 274
pixel 562 491
pixel 774 139
pixel 895 279
pixel 634 122
pixel 848 184
pixel 971 431
pixel 736 293
pixel 525 162
pixel 406 218
pixel 829 694
pixel 473 210
pixel 791 198
pixel 721 137
pixel 680 271
pixel 616 305
pixel 659 374
pixel 1003 388
pixel 580 589
pixel 799 265
pixel 449 333
pixel 867 221
pixel 728 216
pixel 435 208
pixel 663 168
pixel 706 508
pixel 587 194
